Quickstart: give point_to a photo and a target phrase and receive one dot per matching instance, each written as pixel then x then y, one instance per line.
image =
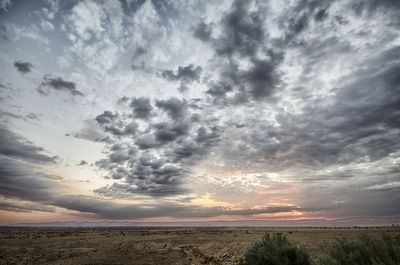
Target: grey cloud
pixel 175 108
pixel 15 146
pixel 204 135
pixel 109 210
pixel 106 117
pixel 219 90
pixel 58 83
pixel 321 15
pixel 140 51
pixel 243 31
pixel 82 163
pixel 147 142
pixel 25 207
pixel 165 132
pixel 118 157
pixel 187 73
pixel 139 60
pixel 111 123
pixel 18 180
pixel 243 37
pixel 185 150
pixel 141 108
pixel 360 126
pixel 131 128
pixel 113 130
pixel 202 31
pixel 92 132
pixel 5 4
pixel 173 141
pixel 23 67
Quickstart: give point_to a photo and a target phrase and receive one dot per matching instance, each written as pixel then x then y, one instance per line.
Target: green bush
pixel 364 251
pixel 276 250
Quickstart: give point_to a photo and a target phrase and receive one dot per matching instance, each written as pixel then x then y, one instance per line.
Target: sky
pixel 154 110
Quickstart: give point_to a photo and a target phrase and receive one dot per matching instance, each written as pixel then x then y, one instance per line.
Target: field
pixel 156 245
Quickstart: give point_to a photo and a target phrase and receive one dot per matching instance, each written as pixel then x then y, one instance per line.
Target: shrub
pixel 276 250
pixel 364 251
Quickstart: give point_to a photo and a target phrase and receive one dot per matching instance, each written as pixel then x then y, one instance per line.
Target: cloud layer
pixel 251 109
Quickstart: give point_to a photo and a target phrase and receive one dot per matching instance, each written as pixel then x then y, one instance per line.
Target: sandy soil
pixel 154 245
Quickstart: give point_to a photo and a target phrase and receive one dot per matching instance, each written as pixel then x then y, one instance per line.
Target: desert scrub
pixel 364 251
pixel 276 249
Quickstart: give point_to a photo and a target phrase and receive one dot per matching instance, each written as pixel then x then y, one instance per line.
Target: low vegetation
pixel 276 249
pixel 364 251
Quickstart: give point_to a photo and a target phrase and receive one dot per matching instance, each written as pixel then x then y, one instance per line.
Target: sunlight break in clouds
pixel 199 110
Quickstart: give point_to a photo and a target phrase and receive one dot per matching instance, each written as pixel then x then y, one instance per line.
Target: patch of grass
pixel 276 249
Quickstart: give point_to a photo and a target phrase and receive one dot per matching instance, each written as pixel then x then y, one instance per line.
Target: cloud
pixel 149 159
pixel 11 32
pixel 90 131
pixel 87 18
pixel 242 40
pixel 82 163
pixel 187 73
pixel 18 180
pixel 23 67
pixel 25 207
pixel 5 4
pixel 15 146
pixel 202 31
pixel 141 107
pixel 58 83
pixel 106 117
pixel 175 108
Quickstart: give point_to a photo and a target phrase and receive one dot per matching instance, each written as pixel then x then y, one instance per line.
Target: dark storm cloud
pixel 58 83
pixel 187 73
pixel 15 146
pixel 142 108
pixel 23 67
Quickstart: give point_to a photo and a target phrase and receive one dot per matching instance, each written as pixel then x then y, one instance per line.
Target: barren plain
pixel 186 245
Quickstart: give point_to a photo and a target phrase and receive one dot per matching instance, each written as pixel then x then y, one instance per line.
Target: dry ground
pixel 154 245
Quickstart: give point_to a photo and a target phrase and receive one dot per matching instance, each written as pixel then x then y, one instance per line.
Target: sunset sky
pixel 199 110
